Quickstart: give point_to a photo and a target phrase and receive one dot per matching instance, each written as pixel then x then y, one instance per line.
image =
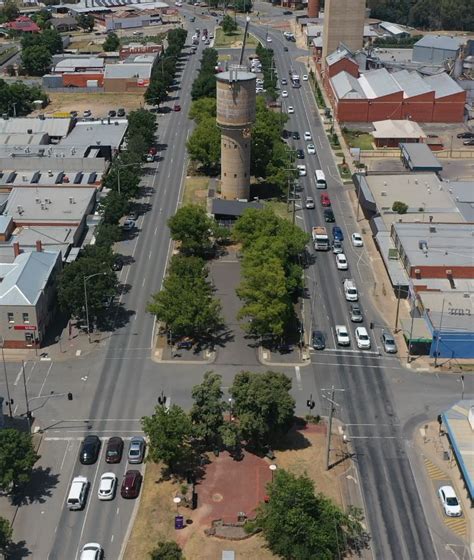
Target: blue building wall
pixel 453 344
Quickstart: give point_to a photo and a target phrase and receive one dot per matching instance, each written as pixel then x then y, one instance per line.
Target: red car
pixel 131 484
pixel 177 107
pixel 325 201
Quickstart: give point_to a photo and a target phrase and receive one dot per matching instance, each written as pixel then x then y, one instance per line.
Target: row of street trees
pixel 123 180
pixel 205 83
pixel 268 68
pixel 165 70
pixel 272 275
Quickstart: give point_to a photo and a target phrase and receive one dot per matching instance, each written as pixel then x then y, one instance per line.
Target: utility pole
pixel 6 381
pixel 333 404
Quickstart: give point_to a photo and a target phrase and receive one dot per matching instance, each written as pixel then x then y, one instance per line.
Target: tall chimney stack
pixel 313 8
pixel 39 246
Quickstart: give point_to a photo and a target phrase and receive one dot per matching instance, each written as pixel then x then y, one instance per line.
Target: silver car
pixel 389 344
pixel 136 451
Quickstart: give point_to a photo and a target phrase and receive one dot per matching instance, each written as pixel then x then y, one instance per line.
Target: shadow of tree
pixel 17 551
pixel 37 490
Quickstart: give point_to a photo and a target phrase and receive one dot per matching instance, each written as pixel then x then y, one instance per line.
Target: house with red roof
pixel 23 24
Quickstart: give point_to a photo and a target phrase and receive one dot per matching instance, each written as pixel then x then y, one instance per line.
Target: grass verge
pixel 195 190
pixel 280 208
pixel 344 171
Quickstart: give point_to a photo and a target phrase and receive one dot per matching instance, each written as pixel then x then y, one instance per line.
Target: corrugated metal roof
pixel 68 64
pixel 443 85
pixel 337 55
pixel 378 83
pixel 347 87
pixel 394 267
pixel 411 83
pixel 141 71
pixel 397 129
pixel 392 28
pixel 438 42
pixel 49 125
pixel 25 278
pixel 420 157
pixel 233 207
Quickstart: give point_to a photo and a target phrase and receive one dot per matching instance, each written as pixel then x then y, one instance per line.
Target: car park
pixel 89 451
pixel 299 154
pixel 131 484
pixel 136 450
pixel 357 240
pixel 311 149
pixel 388 342
pixel 342 336
pixel 114 450
pixel 449 501
pixel 296 135
pixel 291 110
pixel 341 262
pixel 318 341
pixel 337 233
pixel 362 338
pixel 91 551
pixel 325 200
pixel 309 203
pixel 337 247
pixel 107 486
pixel 128 225
pixel 329 215
pixel 356 314
pixel 301 170
pixel 307 136
pixel 284 93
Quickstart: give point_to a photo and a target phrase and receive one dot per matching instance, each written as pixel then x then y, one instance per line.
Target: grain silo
pixel 235 116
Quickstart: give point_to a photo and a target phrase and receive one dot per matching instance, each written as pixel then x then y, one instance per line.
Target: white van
pixel 78 493
pixel 320 179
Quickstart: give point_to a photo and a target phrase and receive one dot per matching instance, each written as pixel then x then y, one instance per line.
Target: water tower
pixel 235 116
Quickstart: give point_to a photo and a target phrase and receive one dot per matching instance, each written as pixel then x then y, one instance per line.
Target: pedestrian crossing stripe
pixel 457 524
pixel 434 472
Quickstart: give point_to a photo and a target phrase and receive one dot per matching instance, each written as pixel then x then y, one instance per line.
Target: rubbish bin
pixel 178 522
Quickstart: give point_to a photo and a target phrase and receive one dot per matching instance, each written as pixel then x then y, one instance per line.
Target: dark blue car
pixel 337 233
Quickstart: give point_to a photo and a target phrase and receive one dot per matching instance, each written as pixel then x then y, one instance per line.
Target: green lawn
pixel 223 41
pixel 195 190
pixel 280 208
pixel 356 139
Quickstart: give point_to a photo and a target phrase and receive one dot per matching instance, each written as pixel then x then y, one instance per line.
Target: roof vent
pixel 20 209
pixel 47 200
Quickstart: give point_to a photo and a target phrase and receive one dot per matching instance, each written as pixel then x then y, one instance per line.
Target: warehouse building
pixel 435 49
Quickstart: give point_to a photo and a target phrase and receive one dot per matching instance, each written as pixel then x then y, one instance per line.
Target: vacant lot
pixel 99 103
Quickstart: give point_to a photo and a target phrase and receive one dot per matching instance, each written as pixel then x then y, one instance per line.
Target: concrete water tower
pixel 235 116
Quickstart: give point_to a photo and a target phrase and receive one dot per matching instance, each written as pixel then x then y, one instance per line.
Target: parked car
pixel 107 486
pixel 311 149
pixel 133 215
pixel 91 551
pixel 176 107
pixel 325 200
pixel 285 49
pixel 114 450
pixel 136 450
pixel 318 340
pixel 305 77
pixel 342 336
pixel 341 262
pixel 89 451
pixel 357 240
pixel 465 135
pixel 388 342
pixel 469 142
pixel 299 154
pixel 121 112
pixel 356 314
pixel 112 113
pixel 337 233
pixel 117 264
pixel 362 338
pixel 287 13
pixel 87 113
pixel 329 215
pixel 131 484
pixel 449 501
pixel 309 203
pixel 301 170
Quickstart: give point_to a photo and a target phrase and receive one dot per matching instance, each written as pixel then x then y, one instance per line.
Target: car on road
pixel 337 233
pixel 76 499
pixel 107 486
pixel 89 451
pixel 285 49
pixel 287 13
pixel 449 501
pixel 150 158
pixel 259 90
pixel 176 107
pixel 296 135
pixel 350 290
pixel 342 335
pixel 87 113
pixel 133 215
pixel 284 93
pixel 305 77
pixel 357 240
pixel 356 314
pixel 269 39
pixel 131 483
pixel 337 247
pixel 128 225
pixel 466 135
pixel 362 338
pixel 291 110
pixel 318 340
pixel 301 170
pixel 307 136
pixel 136 450
pixel 91 551
pixel 299 153
pixel 388 342
pixel 329 215
pixel 311 149
pixel 309 203
pixel 284 82
pixel 117 265
pixel 325 200
pixel 114 450
pixel 341 262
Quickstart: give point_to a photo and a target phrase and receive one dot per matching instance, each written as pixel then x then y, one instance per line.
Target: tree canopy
pixel 111 43
pixel 205 83
pixel 17 458
pixel 17 98
pixel 167 550
pixel 6 532
pixel 208 407
pixel 301 525
pixel 193 228
pixel 49 38
pixel 36 60
pixel 229 25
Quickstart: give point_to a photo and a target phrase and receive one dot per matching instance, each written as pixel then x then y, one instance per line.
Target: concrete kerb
pixel 263 360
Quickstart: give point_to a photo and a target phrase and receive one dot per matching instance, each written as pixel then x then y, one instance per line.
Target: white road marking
pixel 18 377
pixel 64 456
pixel 298 378
pixel 112 539
pixel 45 379
pixel 372 437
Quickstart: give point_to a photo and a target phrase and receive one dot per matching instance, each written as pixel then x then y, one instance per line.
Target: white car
pixel 259 90
pixel 311 149
pixel 284 93
pixel 301 170
pixel 107 486
pixel 341 261
pixel 307 136
pixel 449 501
pixel 91 551
pixel 259 81
pixel 342 336
pixel 305 77
pixel 357 240
pixel 291 110
pixel 362 338
pixel 269 39
pixel 309 203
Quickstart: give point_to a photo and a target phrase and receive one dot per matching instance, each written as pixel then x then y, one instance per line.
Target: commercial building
pixel 226 212
pixel 392 30
pixel 135 19
pixel 419 157
pixel 28 297
pixel 435 49
pixel 55 128
pixel 127 78
pixel 138 48
pixel 390 133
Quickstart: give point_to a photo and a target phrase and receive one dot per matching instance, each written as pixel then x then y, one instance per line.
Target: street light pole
pixel 6 381
pixel 86 303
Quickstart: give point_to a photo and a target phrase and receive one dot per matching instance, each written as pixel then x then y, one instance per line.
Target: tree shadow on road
pixel 17 551
pixel 37 490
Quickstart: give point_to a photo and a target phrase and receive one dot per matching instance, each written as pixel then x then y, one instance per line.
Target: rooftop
pixel 436 244
pixel 70 64
pixel 102 132
pixel 53 238
pixel 24 24
pixel 419 156
pixel 392 28
pixel 462 193
pixel 441 309
pixel 337 55
pixel 32 125
pixel 378 83
pixel 120 70
pixel 397 129
pixel 24 280
pixel 347 87
pixel 443 85
pixel 232 207
pixel 438 42
pixel 411 83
